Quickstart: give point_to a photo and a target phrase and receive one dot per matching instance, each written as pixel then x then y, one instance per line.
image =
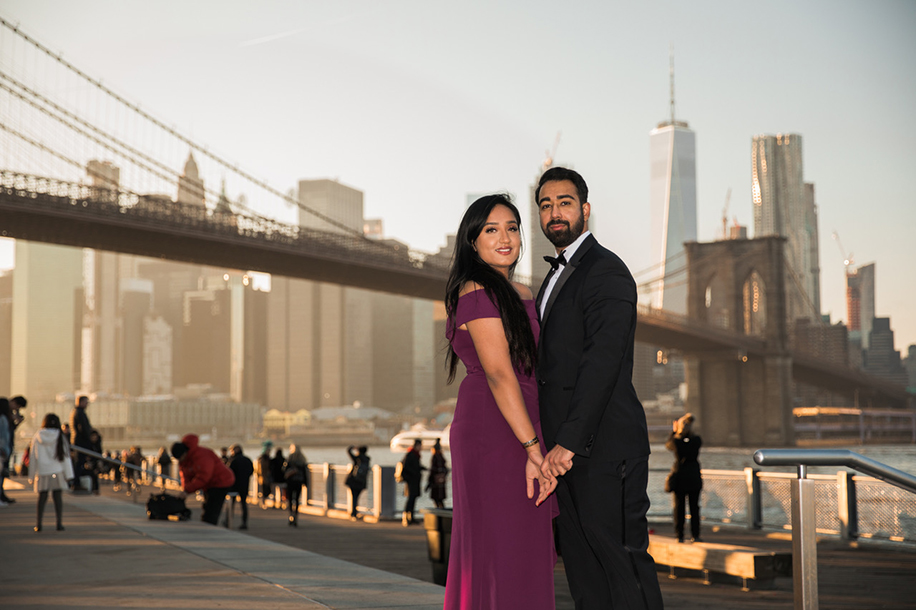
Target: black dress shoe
pixel 60 528
pixel 7 499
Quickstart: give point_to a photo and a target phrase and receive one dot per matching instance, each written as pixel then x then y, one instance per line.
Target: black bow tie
pixel 556 262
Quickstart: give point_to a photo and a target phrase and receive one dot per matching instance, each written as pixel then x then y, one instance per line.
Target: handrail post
pixel 384 490
pixel 328 485
pixel 846 504
pixel 804 542
pixel 754 499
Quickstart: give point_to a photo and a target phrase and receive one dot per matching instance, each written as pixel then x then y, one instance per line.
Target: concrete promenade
pixel 112 556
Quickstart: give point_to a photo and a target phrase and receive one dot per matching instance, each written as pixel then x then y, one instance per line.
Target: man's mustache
pixel 558 223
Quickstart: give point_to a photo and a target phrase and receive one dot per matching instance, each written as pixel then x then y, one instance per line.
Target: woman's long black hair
pixel 52 421
pixel 467 266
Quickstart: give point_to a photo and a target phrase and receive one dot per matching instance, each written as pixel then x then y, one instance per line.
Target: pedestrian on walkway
pixel 164 461
pixel 685 480
pixel 242 468
pixel 359 475
pixel 202 470
pixel 277 466
pixel 412 473
pixel 438 476
pixel 6 440
pixel 295 473
pixel 265 483
pixel 79 437
pixel 91 464
pixel 50 467
pixel 17 403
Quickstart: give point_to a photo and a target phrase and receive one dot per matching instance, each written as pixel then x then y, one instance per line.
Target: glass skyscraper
pixel 673 201
pixel 784 205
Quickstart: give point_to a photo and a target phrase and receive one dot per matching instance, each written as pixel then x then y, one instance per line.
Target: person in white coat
pixel 50 467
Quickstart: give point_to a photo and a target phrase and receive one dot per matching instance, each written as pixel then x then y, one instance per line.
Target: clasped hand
pixel 558 462
pixel 546 485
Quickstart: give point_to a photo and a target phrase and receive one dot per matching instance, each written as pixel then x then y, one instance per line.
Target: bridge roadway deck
pixel 111 556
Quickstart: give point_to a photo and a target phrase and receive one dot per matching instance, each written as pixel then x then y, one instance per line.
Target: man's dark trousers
pixel 213 504
pixel 603 535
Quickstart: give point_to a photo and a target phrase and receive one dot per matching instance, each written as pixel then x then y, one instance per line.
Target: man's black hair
pixel 557 174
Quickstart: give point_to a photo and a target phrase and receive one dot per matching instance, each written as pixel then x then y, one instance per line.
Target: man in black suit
pixel 594 425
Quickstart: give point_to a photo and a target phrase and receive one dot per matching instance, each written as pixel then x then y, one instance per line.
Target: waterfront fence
pixel 847 505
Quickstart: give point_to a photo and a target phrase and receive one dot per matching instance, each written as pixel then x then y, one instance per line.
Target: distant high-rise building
pixel 813 275
pixel 190 185
pixel 340 206
pixel 171 281
pixel 136 301
pixel 827 343
pixel 46 317
pixel 784 205
pixel 157 355
pixel 860 302
pixel 881 359
pixel 101 320
pixel 909 364
pixel 673 206
pixel 292 360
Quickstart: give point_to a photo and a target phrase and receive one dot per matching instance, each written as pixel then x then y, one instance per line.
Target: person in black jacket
pixel 80 428
pixel 359 475
pixel 594 425
pixel 438 476
pixel 685 479
pixel 412 473
pixel 277 471
pixel 242 468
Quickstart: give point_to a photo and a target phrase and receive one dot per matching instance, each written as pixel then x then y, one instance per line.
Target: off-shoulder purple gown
pixel 502 553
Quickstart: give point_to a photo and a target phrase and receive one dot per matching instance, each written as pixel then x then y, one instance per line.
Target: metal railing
pixel 804 522
pixel 146 474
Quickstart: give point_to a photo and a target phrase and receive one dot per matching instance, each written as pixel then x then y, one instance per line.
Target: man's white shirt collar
pixel 570 250
pixel 568 253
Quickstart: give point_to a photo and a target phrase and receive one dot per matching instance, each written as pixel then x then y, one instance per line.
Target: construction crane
pixel 728 198
pixel 847 258
pixel 550 155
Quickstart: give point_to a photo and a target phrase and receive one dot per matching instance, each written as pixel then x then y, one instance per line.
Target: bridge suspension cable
pixel 132 154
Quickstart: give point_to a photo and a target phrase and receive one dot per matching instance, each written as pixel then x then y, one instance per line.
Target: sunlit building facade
pixel 47 304
pixel 784 205
pixel 860 303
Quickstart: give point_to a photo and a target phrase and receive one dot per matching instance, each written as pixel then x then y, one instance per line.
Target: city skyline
pixel 415 131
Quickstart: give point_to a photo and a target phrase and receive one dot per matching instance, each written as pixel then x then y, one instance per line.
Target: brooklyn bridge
pixel 739 372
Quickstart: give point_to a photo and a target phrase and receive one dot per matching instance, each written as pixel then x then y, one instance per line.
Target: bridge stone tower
pixel 741 397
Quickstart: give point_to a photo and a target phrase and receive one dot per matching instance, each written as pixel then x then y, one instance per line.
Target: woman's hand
pixel 546 485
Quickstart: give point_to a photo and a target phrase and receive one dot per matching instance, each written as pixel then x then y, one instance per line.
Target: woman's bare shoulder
pixel 523 291
pixel 469 287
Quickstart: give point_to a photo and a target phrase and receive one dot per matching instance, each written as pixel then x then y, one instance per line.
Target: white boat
pixel 403 440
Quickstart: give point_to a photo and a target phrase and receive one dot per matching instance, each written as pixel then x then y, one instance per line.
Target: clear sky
pixel 418 103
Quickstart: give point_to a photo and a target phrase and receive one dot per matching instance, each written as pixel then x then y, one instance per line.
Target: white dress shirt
pixel 568 253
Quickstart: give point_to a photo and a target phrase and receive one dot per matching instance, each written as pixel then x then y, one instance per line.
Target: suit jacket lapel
pixel 568 270
pixel 537 301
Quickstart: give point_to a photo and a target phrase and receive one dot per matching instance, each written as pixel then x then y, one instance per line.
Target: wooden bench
pixel 746 563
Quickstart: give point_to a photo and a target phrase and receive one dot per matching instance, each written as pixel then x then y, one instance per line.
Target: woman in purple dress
pixel 502 553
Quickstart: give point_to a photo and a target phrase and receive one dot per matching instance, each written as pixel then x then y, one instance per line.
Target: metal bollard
pixel 804 542
pixel 230 509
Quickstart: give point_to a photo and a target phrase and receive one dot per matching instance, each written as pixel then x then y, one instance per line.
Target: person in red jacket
pixel 202 470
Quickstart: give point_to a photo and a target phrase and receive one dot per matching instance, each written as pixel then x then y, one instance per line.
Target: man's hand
pixel 558 462
pixel 546 485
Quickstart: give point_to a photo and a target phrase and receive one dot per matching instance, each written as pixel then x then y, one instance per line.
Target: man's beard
pixel 561 238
